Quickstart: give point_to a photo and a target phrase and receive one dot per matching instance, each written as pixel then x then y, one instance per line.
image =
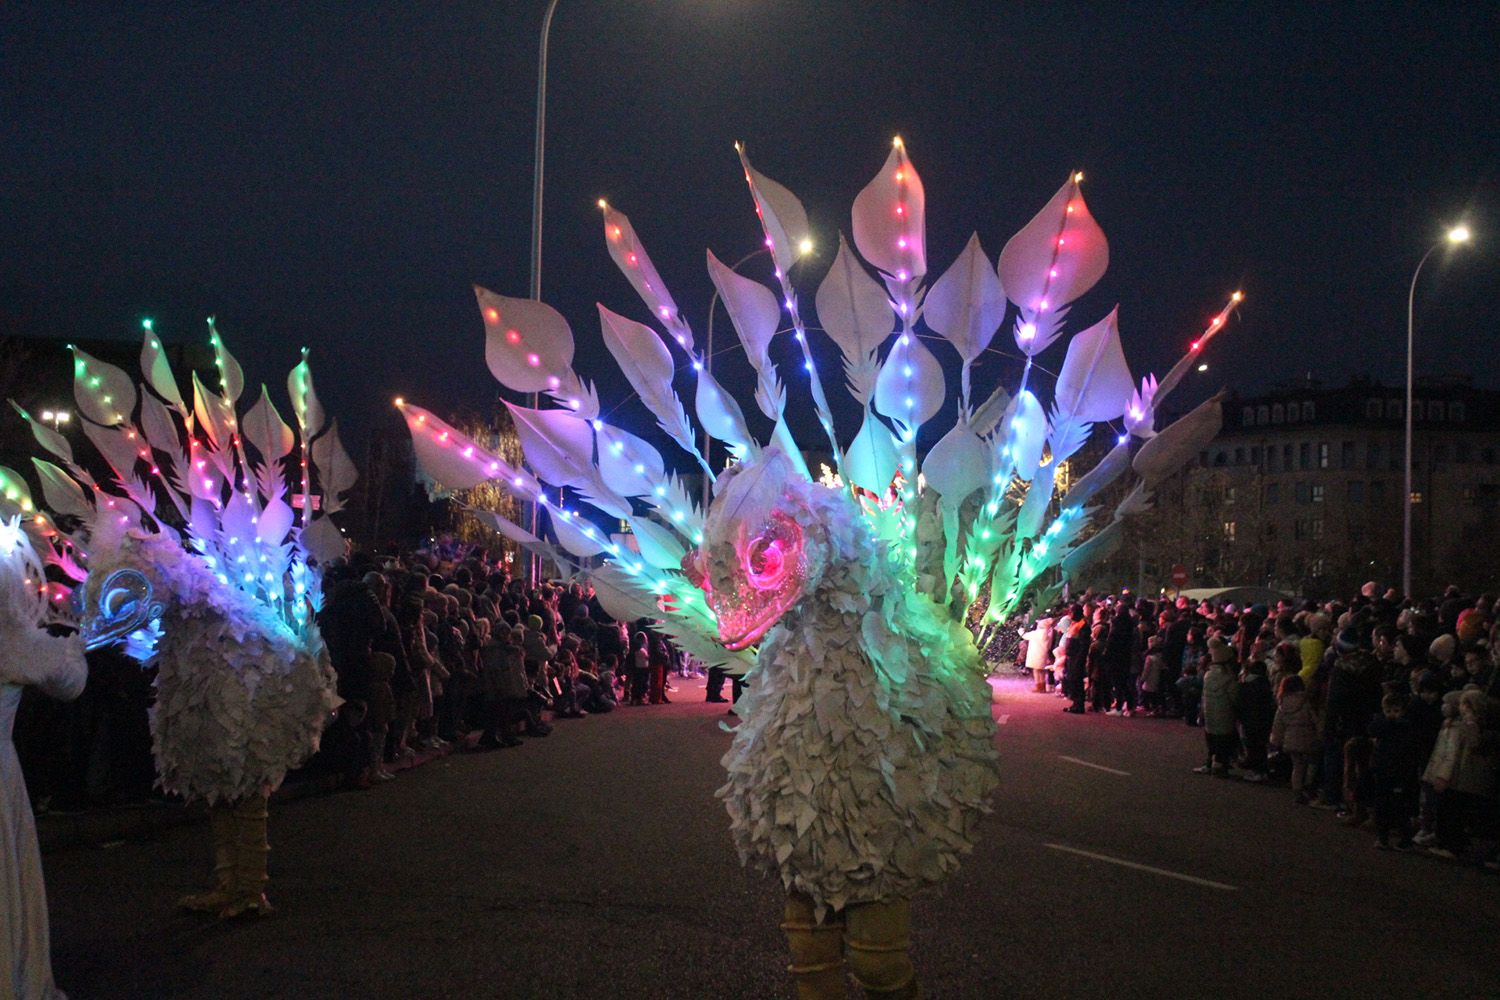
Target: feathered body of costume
pixel 866 754
pixel 240 697
pixel 192 558
pixel 863 761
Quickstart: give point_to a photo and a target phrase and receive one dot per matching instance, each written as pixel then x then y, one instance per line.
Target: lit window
pixel 1229 531
pixel 1317 493
pixel 1416 496
pixel 1322 453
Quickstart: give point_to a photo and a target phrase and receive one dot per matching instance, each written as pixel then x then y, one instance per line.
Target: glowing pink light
pixel 1052 273
pixel 902 275
pixel 901 243
pixel 513 336
pixel 900 209
pixel 553 381
pixel 1028 330
pixel 533 360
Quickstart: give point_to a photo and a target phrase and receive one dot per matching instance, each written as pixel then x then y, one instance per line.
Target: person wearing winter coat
pixel 1038 642
pixel 1220 696
pixel 1075 660
pixel 1461 775
pixel 1294 731
pixel 1394 771
pixel 1152 678
pixel 502 679
pixel 1256 711
pixel 1352 698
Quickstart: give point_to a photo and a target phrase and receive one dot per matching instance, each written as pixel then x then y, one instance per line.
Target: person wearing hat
pixel 1220 695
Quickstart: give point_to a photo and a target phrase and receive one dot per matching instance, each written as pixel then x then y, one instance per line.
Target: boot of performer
pixel 221 827
pixel 817 950
pixel 879 938
pixel 250 855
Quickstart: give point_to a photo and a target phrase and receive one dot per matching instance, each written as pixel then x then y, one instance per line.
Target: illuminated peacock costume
pixel 865 757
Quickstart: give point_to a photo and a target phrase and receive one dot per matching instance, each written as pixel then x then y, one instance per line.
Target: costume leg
pixel 250 852
pixel 817 950
pixel 879 939
pixel 221 828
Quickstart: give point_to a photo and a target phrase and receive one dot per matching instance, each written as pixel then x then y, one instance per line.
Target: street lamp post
pixel 1454 236
pixel 537 174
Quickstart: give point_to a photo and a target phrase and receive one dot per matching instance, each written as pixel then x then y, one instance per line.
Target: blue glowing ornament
pixel 125 614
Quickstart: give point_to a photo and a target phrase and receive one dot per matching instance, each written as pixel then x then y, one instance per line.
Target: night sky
pixel 339 174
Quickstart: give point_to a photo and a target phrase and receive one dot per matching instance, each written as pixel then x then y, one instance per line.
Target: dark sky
pixel 338 174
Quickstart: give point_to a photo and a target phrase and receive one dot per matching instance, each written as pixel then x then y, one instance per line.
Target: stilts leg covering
pixel 250 855
pixel 221 828
pixel 879 940
pixel 817 950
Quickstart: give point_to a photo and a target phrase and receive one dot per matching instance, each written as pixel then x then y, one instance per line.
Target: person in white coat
pixel 54 665
pixel 1038 650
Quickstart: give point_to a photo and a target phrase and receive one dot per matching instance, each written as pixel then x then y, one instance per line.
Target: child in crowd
pixel 1394 770
pixel 1256 711
pixel 1220 696
pixel 1295 731
pixel 1460 775
pixel 1190 690
pixel 1151 676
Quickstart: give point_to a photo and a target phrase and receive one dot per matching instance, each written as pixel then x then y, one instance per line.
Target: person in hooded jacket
pixel 1256 710
pixel 1294 731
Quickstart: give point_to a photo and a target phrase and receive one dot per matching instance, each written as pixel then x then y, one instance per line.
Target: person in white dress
pixel 54 665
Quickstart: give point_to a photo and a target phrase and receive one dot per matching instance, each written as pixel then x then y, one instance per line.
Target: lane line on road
pixel 1097 767
pixel 1195 880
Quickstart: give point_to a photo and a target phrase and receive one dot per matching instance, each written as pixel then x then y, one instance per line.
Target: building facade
pixel 1301 491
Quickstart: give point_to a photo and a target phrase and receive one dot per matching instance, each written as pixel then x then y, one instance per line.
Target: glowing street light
pixel 1453 237
pixel 57 418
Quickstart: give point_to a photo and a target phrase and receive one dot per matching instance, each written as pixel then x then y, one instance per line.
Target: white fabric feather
pixel 1095 382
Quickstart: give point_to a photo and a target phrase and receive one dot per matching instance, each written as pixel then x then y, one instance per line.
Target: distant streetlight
pixel 57 418
pixel 1453 237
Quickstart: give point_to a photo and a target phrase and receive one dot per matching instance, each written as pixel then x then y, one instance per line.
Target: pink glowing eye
pixel 765 564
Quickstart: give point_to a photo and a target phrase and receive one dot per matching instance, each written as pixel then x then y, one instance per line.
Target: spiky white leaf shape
pixel 62 494
pixel 104 393
pixel 336 471
pixel 958 465
pixel 1172 447
pixel 890 219
pixel 782 217
pixel 967 304
pixel 629 255
pixel 872 459
pixel 721 415
pixel 263 427
pixel 630 466
pixel 1095 382
pixel 158 371
pixel 231 376
pixel 1057 256
pixel 576 535
pixel 1140 414
pixel 305 405
pixel 910 386
pixel 647 365
pixel 752 308
pixel 658 545
pixel 1025 428
pixel 456 461
pixel 854 310
pixel 529 348
pixel 46 436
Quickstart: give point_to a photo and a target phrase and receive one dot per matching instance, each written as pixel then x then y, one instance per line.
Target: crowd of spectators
pixel 428 656
pixel 433 650
pixel 1382 711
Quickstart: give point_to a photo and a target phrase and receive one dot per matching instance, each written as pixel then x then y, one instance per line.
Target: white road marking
pixel 1097 767
pixel 1003 719
pixel 1209 883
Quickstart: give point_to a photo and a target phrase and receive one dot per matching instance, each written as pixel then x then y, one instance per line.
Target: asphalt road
pixel 596 863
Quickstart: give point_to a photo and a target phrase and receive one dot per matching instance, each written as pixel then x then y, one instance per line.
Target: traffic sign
pixel 1179 576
